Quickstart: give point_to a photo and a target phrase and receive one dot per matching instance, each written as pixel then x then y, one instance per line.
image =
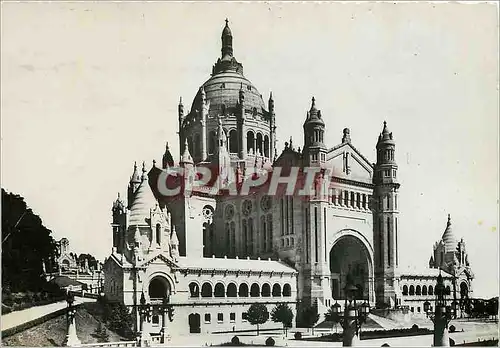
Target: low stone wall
pixel 34 322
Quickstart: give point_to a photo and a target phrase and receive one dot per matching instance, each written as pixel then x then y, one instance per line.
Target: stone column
pixel 204 136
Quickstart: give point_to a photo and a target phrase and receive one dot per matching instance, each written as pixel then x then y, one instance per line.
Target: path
pixel 481 332
pixel 16 318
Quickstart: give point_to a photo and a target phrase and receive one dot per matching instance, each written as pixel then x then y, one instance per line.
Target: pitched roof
pixel 235 264
pixel 423 272
pixel 64 281
pixel 448 238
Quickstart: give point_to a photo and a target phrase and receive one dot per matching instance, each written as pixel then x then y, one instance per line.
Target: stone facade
pixel 217 242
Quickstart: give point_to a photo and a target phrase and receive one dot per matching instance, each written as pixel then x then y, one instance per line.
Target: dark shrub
pixel 235 340
pixel 452 342
pixel 385 345
pixel 414 327
pixel 270 342
pixel 452 328
pixel 298 335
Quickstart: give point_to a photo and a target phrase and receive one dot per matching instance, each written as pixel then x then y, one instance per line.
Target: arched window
pixel 233 239
pixel 270 232
pixel 243 291
pixel 276 290
pixel 447 290
pixel 418 290
pixel 250 236
pixel 424 290
pixel 233 141
pixel 287 290
pixel 260 149
pixel 263 233
pixel 412 290
pixel 219 290
pixel 231 290
pixel 194 290
pixel 206 290
pixel 431 290
pixel 197 145
pixel 254 290
pixel 266 146
pixel 212 141
pixel 266 290
pixel 158 233
pixel 405 290
pixel 250 142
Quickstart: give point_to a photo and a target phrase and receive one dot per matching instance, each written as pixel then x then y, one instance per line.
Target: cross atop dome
pixel 227 42
pixel 227 62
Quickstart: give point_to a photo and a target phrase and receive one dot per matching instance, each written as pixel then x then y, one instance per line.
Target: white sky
pixel 88 88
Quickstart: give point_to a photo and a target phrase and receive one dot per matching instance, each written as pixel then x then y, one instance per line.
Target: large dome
pixel 222 91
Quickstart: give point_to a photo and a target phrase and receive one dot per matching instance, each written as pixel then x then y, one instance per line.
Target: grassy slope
pixel 53 332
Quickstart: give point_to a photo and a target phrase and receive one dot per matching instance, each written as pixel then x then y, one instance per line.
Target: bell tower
pixel 385 219
pixel 314 153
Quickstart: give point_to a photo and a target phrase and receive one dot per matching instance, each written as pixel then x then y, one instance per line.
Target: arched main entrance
pixel 158 288
pixel 349 256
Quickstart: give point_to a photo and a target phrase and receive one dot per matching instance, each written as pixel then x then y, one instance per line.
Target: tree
pixel 282 314
pixel 26 244
pixel 101 334
pixel 118 318
pixel 257 314
pixel 309 317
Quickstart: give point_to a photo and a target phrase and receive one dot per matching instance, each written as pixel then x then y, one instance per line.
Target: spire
pixel 144 175
pixel 203 95
pixel 174 240
pixel 181 109
pixel 186 156
pixel 227 42
pixel 135 178
pixel 168 160
pixel 271 104
pixel 313 106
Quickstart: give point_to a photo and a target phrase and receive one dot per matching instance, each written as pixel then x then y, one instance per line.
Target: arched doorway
pixel 464 295
pixel 350 256
pixel 158 288
pixel 194 323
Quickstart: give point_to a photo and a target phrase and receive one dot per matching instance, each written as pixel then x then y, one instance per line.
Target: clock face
pixel 229 212
pixel 247 207
pixel 265 203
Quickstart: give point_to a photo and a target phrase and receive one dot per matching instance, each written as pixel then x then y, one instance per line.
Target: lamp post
pixel 441 316
pixel 144 312
pixel 71 339
pixel 353 316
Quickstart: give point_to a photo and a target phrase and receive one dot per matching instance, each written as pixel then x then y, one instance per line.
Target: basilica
pixel 211 254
